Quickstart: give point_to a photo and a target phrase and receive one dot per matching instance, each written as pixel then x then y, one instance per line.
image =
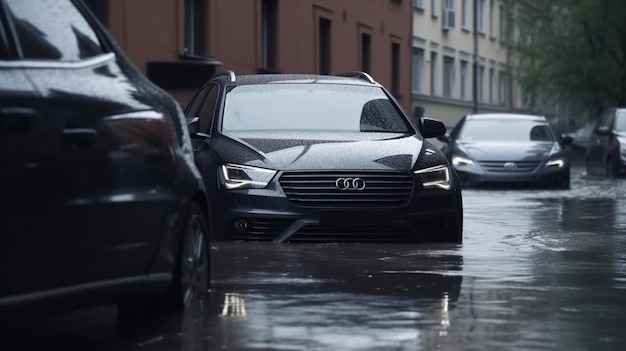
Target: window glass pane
pixel 53 30
pixel 297 107
pixel 505 129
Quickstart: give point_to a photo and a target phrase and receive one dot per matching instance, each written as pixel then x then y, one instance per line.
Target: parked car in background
pixel 100 199
pixel 320 158
pixel 504 149
pixel 606 150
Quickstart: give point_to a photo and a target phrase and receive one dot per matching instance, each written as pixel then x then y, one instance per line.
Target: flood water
pixel 538 270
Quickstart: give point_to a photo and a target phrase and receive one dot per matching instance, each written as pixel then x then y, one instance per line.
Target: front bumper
pixel 542 176
pixel 268 215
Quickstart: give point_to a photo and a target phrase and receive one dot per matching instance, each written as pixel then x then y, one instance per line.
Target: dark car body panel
pixel 508 163
pixel 284 211
pixel 606 148
pixel 97 178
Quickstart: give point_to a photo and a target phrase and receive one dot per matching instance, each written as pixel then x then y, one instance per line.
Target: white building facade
pixel 445 47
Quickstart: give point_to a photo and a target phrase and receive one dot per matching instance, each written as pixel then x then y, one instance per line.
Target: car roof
pixel 518 116
pixel 350 78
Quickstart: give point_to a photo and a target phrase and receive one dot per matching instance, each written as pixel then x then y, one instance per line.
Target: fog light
pixel 241 225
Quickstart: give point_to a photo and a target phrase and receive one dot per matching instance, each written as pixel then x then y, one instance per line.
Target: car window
pixel 505 130
pixel 4 45
pixel 208 109
pixel 53 30
pixel 620 121
pixel 606 119
pixel 193 109
pixel 306 107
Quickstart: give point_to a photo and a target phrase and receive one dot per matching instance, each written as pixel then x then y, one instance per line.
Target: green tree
pixel 572 52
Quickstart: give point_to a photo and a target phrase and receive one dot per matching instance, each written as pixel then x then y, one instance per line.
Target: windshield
pixel 311 107
pixel 620 121
pixel 505 130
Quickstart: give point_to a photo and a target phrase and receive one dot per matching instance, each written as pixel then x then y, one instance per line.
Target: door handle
pixel 81 137
pixel 16 120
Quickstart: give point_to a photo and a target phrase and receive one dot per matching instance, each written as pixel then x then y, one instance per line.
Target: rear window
pixel 505 130
pixel 311 107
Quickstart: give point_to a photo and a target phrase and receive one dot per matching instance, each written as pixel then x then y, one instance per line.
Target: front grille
pixel 318 189
pixel 498 166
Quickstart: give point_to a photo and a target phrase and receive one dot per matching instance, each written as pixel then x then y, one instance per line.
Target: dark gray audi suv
pixel 320 158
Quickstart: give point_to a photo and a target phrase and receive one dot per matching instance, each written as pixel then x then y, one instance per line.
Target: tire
pixel 610 173
pixel 191 275
pixel 194 266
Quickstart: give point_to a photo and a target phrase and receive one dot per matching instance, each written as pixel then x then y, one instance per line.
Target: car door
pixel 38 251
pixel 599 143
pixel 108 173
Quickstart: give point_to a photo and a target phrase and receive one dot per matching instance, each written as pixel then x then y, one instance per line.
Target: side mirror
pixel 193 125
pixel 603 131
pixel 431 128
pixel 566 140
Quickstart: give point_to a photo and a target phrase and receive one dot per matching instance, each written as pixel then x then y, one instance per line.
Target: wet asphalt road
pixel 538 270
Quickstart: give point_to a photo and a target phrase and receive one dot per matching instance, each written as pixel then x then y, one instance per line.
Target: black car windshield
pixel 510 129
pixel 311 107
pixel 620 121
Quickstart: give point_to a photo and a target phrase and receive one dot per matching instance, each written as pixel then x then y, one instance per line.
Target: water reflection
pixel 321 297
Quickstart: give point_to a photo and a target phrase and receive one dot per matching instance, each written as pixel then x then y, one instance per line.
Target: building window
pixel 503 98
pixel 464 14
pixel 448 14
pixel 417 70
pixel 366 49
pixel 269 19
pixel 395 68
pixel 195 19
pixel 480 15
pixel 433 8
pixel 433 73
pixel 324 36
pixel 491 20
pixel 503 24
pixel 491 83
pixel 448 76
pixel 418 4
pixel 480 83
pixel 464 80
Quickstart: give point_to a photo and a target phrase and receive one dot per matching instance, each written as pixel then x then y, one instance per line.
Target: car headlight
pixel 246 177
pixel 557 162
pixel 458 161
pixel 437 177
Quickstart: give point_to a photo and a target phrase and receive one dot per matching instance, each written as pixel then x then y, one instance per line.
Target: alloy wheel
pixel 195 261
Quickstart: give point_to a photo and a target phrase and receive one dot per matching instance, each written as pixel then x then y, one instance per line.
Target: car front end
pixel 327 196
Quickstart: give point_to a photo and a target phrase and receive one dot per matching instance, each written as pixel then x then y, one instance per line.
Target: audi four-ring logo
pixel 350 184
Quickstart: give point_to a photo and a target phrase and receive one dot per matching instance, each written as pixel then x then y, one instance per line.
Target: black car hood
pixel 341 150
pixel 506 151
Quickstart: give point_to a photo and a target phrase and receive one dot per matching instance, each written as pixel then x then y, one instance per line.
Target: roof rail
pixel 358 74
pixel 230 74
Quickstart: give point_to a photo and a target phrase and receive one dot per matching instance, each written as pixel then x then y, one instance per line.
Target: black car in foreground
pixel 320 158
pixel 100 199
pixel 508 150
pixel 606 149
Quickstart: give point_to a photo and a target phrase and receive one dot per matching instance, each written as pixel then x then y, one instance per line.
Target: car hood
pixel 341 150
pixel 507 151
